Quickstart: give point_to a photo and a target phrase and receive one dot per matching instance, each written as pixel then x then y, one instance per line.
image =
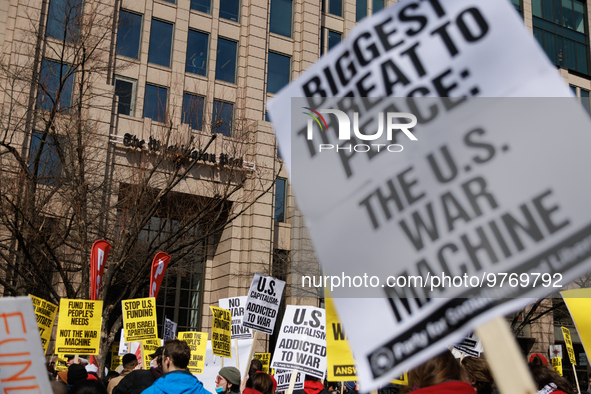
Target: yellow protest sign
pixel 557 365
pixel 139 319
pixel 221 332
pixel 60 364
pixel 197 341
pixel 116 359
pixel 341 364
pixel 150 346
pixel 569 345
pixel 79 327
pixel 265 359
pixel 45 313
pixel 578 302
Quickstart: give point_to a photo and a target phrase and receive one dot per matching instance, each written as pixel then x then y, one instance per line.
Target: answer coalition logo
pixel 344 130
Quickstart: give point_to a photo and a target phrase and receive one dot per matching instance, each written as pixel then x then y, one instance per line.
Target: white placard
pixel 283 377
pixel 470 346
pixel 169 329
pixel 301 344
pixel 262 304
pixel 236 306
pixel 23 369
pixel 555 351
pixel 515 189
pixel 123 346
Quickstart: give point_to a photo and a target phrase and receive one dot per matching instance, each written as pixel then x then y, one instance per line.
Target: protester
pixel 479 375
pixel 547 380
pixel 350 387
pixel 441 375
pixel 312 385
pixel 88 387
pixel 129 362
pixel 255 366
pixel 176 378
pixel 108 376
pixel 228 380
pixel 259 383
pixel 139 380
pixel 76 373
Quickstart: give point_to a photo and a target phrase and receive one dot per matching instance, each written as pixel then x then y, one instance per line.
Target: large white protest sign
pixel 301 344
pixel 262 304
pixel 22 360
pixel 283 377
pixel 236 306
pixel 442 231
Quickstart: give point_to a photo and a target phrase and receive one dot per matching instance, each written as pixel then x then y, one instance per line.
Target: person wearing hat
pixel 76 374
pixel 140 379
pixel 129 362
pixel 350 387
pixel 176 379
pixel 227 381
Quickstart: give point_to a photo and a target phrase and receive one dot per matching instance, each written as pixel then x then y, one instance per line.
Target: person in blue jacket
pixel 176 379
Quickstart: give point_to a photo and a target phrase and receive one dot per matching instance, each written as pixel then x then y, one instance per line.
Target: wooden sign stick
pixel 292 382
pixel 505 359
pixel 255 335
pixel 576 379
pixel 237 354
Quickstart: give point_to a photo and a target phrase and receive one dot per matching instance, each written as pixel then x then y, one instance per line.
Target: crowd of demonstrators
pixel 168 374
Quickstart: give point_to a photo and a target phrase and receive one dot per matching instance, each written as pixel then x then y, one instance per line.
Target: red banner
pixel 98 258
pixel 159 265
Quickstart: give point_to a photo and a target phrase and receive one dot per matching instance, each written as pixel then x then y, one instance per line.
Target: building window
pixel 223 114
pixel 160 43
pixel 197 45
pixel 125 89
pixel 334 39
pixel 49 166
pixel 230 9
pixel 129 32
pixel 201 5
pixel 378 5
pixel 360 10
pixel 280 200
pixel 193 110
pixel 155 103
pixel 559 26
pixel 225 67
pixel 280 20
pixel 335 7
pixel 55 86
pixel 63 19
pixel 518 4
pixel 278 72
